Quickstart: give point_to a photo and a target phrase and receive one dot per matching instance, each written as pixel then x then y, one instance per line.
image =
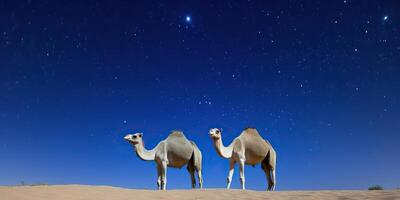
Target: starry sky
pixel 318 79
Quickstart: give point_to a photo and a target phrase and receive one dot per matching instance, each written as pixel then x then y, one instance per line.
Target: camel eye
pixel 217 131
pixel 134 137
pixel 140 136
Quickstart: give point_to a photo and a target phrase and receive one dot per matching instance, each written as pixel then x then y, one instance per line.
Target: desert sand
pixel 83 192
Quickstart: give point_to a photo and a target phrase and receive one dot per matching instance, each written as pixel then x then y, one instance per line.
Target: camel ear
pixel 140 135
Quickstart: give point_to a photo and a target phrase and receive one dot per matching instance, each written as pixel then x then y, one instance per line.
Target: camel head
pixel 215 133
pixel 134 138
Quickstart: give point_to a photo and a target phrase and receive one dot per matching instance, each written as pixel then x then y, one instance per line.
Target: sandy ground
pixel 82 192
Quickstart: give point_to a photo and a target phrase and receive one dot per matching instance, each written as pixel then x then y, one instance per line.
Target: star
pixel 188 19
pixel 385 18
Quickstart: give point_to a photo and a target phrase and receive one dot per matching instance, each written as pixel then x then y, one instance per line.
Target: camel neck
pixel 143 153
pixel 225 152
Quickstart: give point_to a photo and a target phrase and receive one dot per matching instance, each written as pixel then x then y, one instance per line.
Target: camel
pixel 175 151
pixel 248 148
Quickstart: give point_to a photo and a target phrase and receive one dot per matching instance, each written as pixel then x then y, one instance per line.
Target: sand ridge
pixel 85 192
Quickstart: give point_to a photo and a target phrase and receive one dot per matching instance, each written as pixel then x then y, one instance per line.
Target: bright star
pixel 385 17
pixel 188 19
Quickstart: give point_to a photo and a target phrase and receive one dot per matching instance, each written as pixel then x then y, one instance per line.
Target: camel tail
pixel 197 157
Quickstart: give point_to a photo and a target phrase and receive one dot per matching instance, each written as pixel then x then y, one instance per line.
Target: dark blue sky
pixel 318 79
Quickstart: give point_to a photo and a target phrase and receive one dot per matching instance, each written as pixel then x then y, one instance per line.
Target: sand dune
pixel 81 192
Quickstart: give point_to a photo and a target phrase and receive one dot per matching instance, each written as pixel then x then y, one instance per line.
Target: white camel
pixel 248 148
pixel 175 151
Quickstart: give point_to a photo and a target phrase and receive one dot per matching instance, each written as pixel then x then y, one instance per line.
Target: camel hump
pixel 250 132
pixel 176 133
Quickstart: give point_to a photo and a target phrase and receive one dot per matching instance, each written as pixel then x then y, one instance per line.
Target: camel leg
pixel 190 168
pixel 265 167
pixel 193 179
pixel 273 177
pixel 230 174
pixel 164 175
pixel 241 172
pixel 272 164
pixel 159 176
pixel 197 164
pixel 200 177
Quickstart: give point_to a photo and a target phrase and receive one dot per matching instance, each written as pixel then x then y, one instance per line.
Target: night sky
pixel 319 79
